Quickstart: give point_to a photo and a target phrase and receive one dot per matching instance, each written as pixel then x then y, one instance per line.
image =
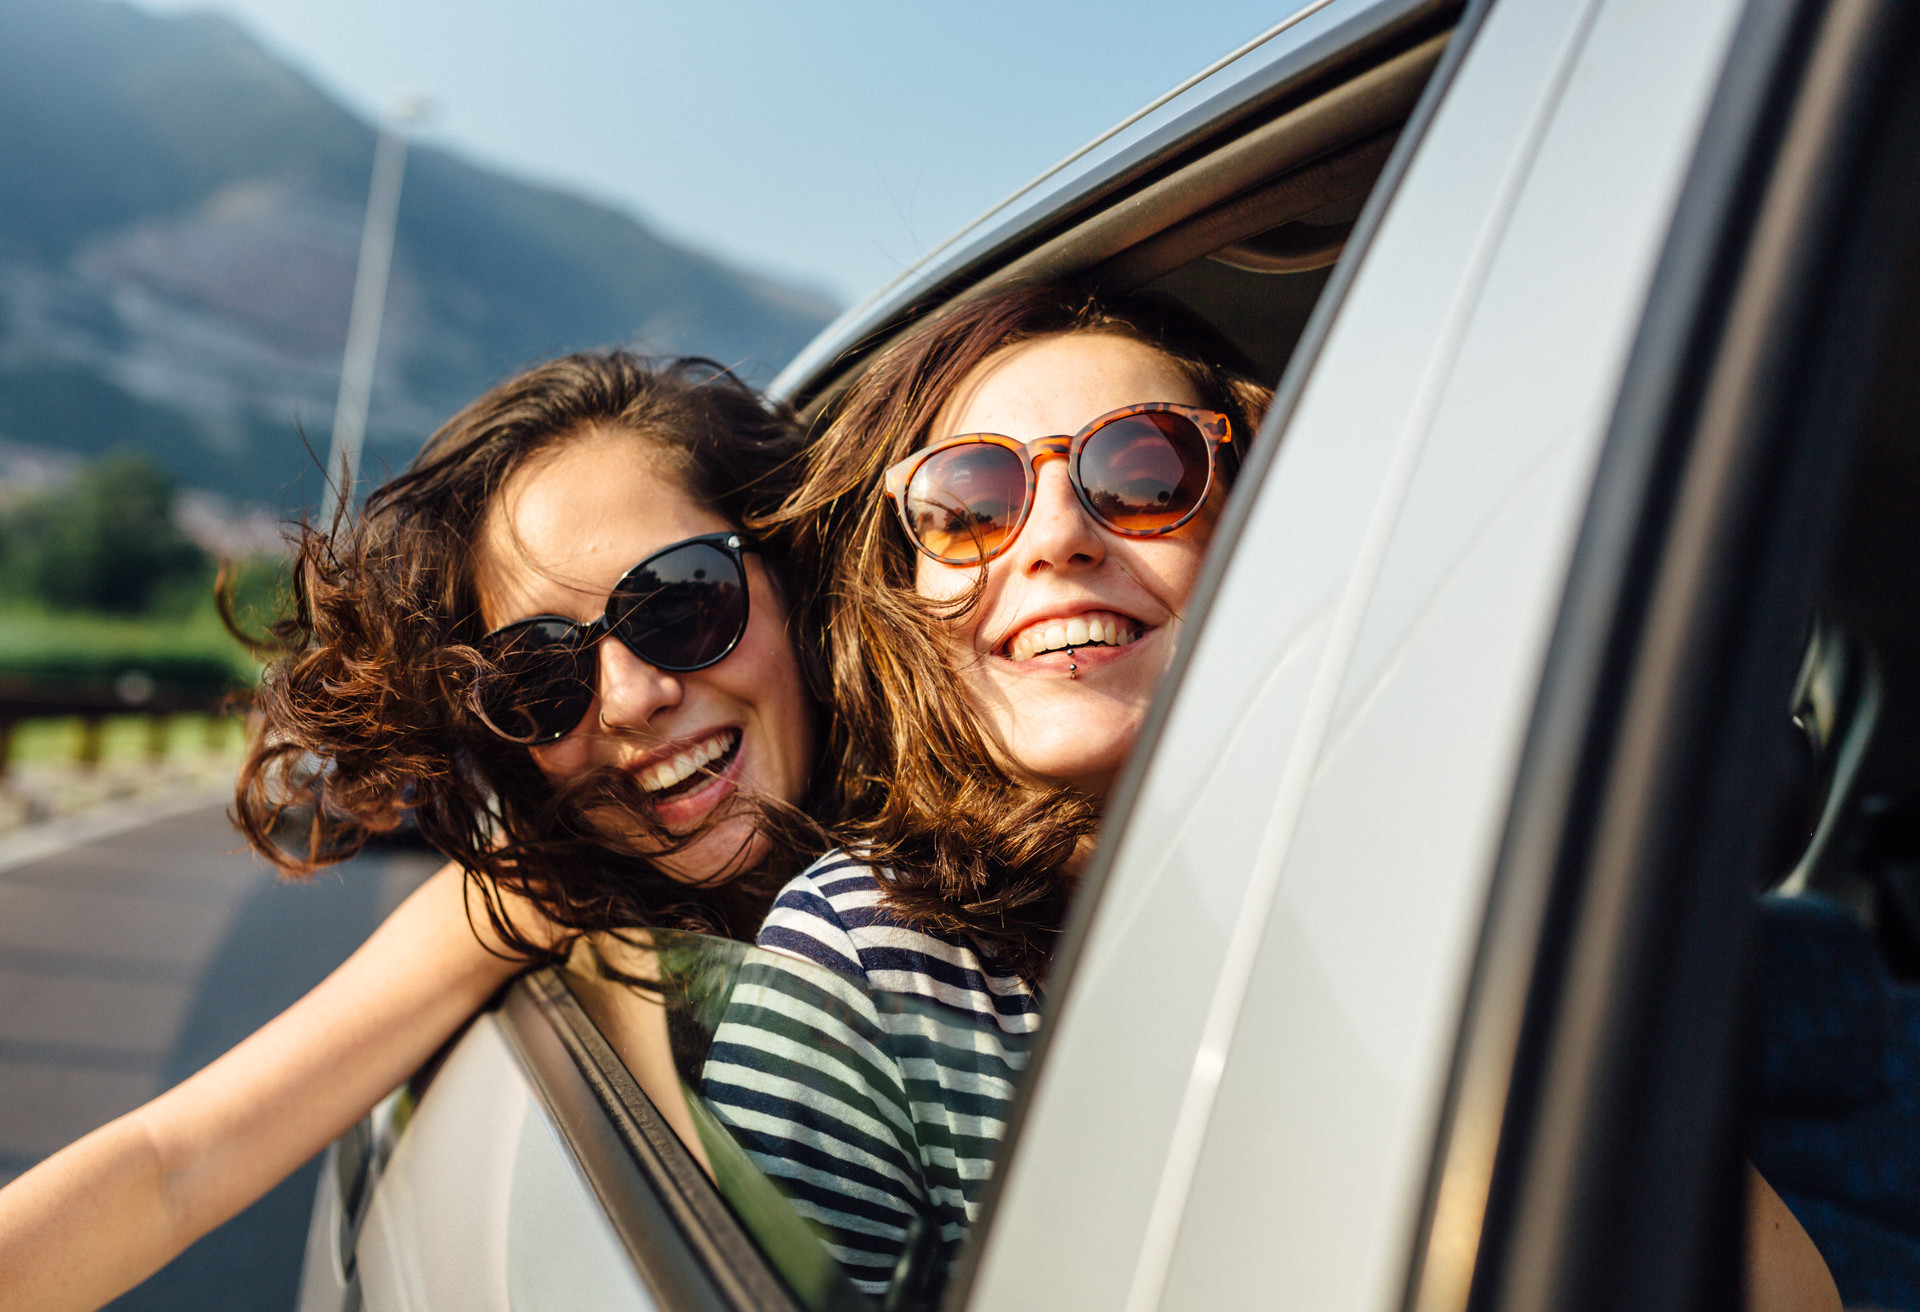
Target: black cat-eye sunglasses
pixel 681 609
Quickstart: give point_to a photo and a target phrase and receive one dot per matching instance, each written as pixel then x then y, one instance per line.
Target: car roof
pixel 1239 86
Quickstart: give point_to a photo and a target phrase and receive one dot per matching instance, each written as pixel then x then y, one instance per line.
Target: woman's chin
pixel 726 850
pixel 723 853
pixel 1057 756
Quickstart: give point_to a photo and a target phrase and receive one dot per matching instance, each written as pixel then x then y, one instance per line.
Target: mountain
pixel 180 219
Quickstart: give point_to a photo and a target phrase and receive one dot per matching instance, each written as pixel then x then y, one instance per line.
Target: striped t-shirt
pixel 875 1096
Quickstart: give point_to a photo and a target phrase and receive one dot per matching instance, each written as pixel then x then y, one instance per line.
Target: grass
pixel 68 649
pixel 38 642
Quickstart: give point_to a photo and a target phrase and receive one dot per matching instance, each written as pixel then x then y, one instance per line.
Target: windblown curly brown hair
pixel 916 784
pixel 364 714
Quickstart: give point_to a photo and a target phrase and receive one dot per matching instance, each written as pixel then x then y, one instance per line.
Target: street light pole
pixel 369 305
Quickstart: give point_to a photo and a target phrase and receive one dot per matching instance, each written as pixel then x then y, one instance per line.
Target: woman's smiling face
pixel 563 530
pixel 1060 716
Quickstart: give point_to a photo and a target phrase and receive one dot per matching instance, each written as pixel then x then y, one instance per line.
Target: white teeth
pixel 666 774
pixel 1080 631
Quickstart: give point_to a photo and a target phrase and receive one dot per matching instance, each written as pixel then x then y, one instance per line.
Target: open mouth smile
pixel 1094 628
pixel 689 770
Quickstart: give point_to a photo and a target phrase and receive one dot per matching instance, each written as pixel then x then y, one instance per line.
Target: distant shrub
pixel 108 543
pixel 258 591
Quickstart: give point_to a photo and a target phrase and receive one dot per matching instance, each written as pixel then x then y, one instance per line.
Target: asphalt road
pixel 134 949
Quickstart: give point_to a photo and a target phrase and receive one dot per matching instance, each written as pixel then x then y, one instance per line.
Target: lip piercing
pixel 1073 670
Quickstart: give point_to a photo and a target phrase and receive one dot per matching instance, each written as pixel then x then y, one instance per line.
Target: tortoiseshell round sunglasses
pixel 1140 471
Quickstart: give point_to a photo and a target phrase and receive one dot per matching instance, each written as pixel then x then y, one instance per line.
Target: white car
pixel 1425 963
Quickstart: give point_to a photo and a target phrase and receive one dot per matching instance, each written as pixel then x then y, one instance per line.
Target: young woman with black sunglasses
pixel 556 646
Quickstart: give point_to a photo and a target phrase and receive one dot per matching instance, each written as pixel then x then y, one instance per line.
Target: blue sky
pixel 831 142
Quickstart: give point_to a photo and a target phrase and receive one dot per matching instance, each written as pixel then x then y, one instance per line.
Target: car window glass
pixel 851 1130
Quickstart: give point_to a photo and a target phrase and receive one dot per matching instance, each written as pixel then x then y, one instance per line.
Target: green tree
pixel 108 543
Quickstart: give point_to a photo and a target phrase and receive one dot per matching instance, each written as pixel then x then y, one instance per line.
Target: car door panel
pixel 561 1253
pixel 436 1230
pixel 482 1207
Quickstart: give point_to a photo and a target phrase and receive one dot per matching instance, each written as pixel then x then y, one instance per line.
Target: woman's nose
pixel 1059 533
pixel 631 692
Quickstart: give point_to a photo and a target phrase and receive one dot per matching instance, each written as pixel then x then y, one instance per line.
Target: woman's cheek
pixel 559 761
pixel 937 582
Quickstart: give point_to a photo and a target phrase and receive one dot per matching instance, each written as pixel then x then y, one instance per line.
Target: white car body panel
pixel 323 1285
pixel 1315 831
pixel 482 1208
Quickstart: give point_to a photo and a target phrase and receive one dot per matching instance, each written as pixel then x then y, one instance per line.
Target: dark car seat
pixel 1837 1126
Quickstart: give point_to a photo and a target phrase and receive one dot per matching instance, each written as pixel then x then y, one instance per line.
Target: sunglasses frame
pixel 582 639
pixel 1214 426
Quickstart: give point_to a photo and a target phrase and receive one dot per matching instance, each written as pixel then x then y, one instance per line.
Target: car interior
pixel 1834 1087
pixel 1243 228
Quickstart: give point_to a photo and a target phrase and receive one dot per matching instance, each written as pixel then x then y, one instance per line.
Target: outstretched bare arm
pixel 103 1214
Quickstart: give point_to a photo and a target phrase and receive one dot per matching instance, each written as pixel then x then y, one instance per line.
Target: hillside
pixel 179 222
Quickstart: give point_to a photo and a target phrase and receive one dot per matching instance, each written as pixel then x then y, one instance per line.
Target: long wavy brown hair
pixel 364 713
pixel 974 850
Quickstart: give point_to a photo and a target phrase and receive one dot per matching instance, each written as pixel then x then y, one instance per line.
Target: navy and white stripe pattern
pixel 876 1095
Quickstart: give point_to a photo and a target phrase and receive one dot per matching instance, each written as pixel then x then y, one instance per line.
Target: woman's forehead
pixel 1057 384
pixel 568 524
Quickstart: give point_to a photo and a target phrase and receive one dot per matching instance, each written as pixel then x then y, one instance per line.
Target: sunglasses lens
pixel 683 609
pixel 541 683
pixel 1145 472
pixel 963 502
